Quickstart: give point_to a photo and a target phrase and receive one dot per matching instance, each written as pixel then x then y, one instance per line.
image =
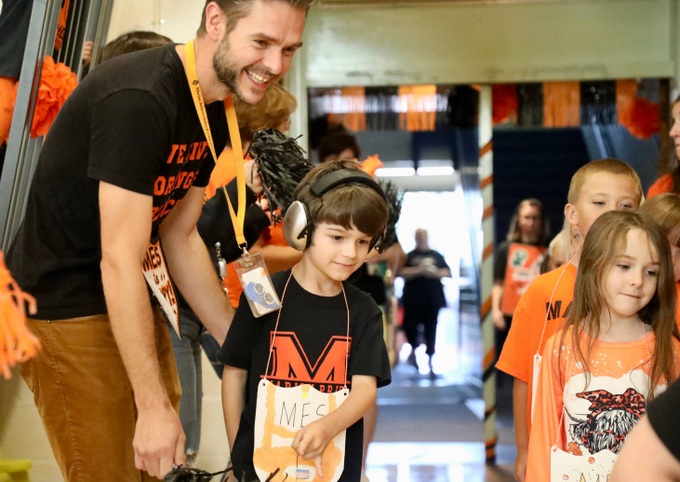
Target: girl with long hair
pixel 617 349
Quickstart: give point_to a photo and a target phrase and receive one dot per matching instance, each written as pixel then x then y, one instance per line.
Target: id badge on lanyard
pixel 257 285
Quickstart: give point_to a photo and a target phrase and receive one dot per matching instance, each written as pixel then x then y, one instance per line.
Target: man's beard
pixel 225 71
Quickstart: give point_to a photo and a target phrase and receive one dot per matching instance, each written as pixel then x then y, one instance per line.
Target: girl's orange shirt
pixel 573 406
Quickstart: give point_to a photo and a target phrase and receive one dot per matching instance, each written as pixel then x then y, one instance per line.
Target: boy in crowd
pixel 598 187
pixel 343 215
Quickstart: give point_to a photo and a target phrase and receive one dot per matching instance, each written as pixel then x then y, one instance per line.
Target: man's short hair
pixel 235 10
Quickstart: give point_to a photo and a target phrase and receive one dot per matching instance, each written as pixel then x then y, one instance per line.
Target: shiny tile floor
pixel 430 429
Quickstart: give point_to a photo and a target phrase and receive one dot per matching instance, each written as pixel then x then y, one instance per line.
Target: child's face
pixel 631 280
pixel 336 252
pixel 602 192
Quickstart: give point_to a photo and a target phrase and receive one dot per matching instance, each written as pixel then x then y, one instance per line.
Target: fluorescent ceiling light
pixel 395 172
pixel 435 171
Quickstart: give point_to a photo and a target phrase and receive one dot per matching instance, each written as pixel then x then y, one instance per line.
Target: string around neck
pixel 278 318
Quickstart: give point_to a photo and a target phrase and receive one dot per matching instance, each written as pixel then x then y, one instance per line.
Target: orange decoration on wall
pixel 645 119
pixel 350 110
pixel 504 102
pixel 561 104
pixel 639 115
pixel 419 107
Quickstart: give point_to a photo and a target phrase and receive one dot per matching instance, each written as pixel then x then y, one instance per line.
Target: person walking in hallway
pixel 423 295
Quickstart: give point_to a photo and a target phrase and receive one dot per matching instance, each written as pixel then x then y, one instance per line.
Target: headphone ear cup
pixel 376 243
pixel 296 226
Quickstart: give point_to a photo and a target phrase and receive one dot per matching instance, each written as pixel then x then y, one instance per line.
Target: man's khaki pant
pixel 85 399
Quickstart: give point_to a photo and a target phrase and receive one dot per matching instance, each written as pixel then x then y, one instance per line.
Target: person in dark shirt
pixel 423 295
pixel 117 191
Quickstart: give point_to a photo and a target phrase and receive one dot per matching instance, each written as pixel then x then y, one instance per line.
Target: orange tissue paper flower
pixel 17 343
pixel 505 102
pixel 57 81
pixel 371 164
pixel 644 120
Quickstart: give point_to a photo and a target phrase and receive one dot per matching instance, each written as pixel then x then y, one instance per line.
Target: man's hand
pixel 159 440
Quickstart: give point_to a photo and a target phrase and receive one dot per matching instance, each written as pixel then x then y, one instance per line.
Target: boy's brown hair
pixel 348 205
pixel 608 165
pixel 664 209
pixel 132 42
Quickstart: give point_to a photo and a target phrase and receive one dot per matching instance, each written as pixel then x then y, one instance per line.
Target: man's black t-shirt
pixel 311 333
pixel 131 123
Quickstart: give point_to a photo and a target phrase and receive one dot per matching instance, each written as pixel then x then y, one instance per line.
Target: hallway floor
pixel 431 430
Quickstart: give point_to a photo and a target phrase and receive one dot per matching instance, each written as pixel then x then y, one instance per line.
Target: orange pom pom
pixel 644 120
pixel 371 164
pixel 17 343
pixel 57 82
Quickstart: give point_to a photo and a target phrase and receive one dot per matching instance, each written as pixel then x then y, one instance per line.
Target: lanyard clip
pixel 244 250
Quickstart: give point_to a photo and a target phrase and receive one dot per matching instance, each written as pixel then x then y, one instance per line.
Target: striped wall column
pixel 486 284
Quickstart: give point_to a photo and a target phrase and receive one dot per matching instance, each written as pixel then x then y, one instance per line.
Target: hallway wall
pixel 480 42
pixel 461 42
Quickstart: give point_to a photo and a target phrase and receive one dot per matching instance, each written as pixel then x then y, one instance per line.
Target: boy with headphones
pixel 327 335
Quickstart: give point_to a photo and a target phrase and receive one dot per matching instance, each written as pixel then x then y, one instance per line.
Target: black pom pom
pixel 394 199
pixel 282 164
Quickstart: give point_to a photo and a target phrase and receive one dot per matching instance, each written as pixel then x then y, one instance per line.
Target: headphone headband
pixel 344 176
pixel 297 223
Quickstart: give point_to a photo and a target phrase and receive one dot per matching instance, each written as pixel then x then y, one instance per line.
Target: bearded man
pixel 124 166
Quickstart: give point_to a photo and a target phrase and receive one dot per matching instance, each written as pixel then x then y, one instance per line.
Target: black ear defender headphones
pixel 297 223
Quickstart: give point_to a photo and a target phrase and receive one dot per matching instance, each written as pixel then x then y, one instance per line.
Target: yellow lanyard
pixel 238 218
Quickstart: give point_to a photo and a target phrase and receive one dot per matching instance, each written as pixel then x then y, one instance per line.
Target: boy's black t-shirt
pixel 311 333
pixel 131 123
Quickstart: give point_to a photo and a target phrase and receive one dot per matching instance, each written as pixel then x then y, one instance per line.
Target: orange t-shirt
pixel 222 174
pixel 522 267
pixel 601 409
pixel 661 185
pixel 536 304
